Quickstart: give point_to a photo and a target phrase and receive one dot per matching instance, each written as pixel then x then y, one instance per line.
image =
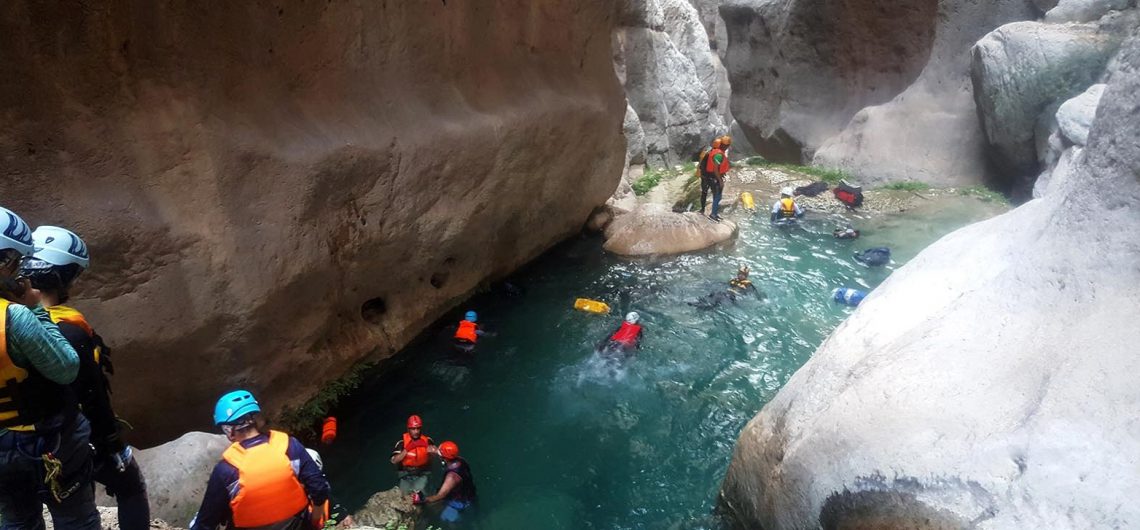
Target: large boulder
pixel 930 131
pixel 670 84
pixel 282 188
pixel 654 229
pixel 1024 71
pixel 954 397
pixel 176 474
pixel 1075 116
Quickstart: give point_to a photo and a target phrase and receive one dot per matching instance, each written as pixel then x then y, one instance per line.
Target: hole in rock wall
pixel 373 310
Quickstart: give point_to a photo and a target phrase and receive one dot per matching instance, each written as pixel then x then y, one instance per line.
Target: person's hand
pixel 433 450
pixel 31 296
pixel 418 498
pixel 402 455
pixel 347 522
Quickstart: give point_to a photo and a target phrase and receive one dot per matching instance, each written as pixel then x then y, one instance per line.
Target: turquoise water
pixel 559 438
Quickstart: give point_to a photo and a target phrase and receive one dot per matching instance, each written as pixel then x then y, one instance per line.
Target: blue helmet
pixel 471 316
pixel 15 233
pixel 233 406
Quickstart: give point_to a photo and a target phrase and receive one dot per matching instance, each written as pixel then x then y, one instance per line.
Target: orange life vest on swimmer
pixel 710 162
pixel 627 333
pixel 787 207
pixel 417 451
pixel 466 331
pixel 268 490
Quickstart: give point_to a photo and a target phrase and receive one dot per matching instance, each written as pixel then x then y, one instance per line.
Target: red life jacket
pixel 417 451
pixel 466 331
pixel 627 334
pixel 710 162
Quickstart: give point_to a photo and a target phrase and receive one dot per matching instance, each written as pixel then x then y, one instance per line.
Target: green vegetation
pixel 648 181
pixel 304 419
pixel 830 175
pixel 984 194
pixel 907 185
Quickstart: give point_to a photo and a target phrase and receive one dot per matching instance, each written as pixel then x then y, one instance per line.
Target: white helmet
pixel 14 233
pixel 632 317
pixel 786 192
pixel 316 457
pixel 59 247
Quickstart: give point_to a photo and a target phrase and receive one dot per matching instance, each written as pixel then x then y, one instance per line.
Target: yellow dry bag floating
pixel 749 202
pixel 591 306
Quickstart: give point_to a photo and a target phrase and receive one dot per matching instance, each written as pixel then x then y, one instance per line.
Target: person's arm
pixel 637 341
pixel 399 453
pixel 449 483
pixel 215 508
pixel 309 474
pixel 776 211
pixel 718 160
pixel 36 340
pixel 799 210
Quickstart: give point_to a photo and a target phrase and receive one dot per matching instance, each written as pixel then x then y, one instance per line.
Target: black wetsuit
pixel 736 289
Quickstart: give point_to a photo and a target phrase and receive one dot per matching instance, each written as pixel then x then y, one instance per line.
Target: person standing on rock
pixel 458 487
pixel 59 258
pixel 786 209
pixel 45 457
pixel 412 456
pixel 266 479
pixel 714 167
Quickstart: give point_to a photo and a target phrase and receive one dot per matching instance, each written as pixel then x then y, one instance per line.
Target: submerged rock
pixel 655 229
pixel 989 383
pixel 388 508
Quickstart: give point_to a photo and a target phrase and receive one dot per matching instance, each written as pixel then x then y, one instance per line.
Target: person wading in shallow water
pixel 412 456
pixel 458 487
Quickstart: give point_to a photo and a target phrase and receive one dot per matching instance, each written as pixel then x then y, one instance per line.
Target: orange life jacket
pixel 627 333
pixel 417 451
pixel 788 207
pixel 710 162
pixel 268 490
pixel 466 331
pixel 62 313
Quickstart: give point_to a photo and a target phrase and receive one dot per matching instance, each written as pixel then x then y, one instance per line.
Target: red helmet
pixel 415 422
pixel 448 450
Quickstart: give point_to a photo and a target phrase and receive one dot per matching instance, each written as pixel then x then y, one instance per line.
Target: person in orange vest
pixel 266 479
pixel 714 168
pixel 60 257
pixel 458 487
pixel 786 208
pixel 468 332
pixel 627 337
pixel 412 455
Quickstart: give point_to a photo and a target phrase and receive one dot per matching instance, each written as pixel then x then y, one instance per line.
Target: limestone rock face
pixel 272 192
pixel 952 398
pixel 1023 71
pixel 669 72
pixel 1075 116
pixel 634 137
pixel 654 229
pixel 1085 10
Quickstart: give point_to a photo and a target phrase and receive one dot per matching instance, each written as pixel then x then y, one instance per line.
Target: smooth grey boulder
pixel 990 383
pixel 1085 10
pixel 176 473
pixel 1075 116
pixel 1023 70
pixel 654 229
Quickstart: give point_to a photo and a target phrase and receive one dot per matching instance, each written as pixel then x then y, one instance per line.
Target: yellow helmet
pixel 726 140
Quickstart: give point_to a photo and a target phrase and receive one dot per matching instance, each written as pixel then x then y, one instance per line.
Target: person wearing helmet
pixel 468 332
pixel 786 209
pixel 266 478
pixel 332 510
pixel 714 167
pixel 45 457
pixel 458 487
pixel 59 258
pixel 627 337
pixel 412 455
pixel 737 287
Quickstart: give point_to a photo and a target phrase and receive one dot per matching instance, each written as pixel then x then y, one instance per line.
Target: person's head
pixel 726 141
pixel 632 317
pixel 786 193
pixel 448 450
pixel 239 415
pixel 57 260
pixel 716 143
pixel 415 426
pixel 471 316
pixel 15 242
pixel 743 272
